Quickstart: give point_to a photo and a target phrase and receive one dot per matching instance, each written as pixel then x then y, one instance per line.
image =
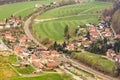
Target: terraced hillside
pixel 71 15
pixel 20 9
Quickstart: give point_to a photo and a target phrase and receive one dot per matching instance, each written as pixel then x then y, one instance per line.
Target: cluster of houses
pixel 11 22
pixel 89 34
pixel 41 58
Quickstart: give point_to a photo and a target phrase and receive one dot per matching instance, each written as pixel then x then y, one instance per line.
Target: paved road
pixel 28 33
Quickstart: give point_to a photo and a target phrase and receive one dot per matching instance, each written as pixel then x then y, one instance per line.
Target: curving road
pixel 28 32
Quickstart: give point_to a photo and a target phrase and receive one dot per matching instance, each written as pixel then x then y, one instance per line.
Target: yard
pixel 5 70
pixel 25 69
pixel 71 15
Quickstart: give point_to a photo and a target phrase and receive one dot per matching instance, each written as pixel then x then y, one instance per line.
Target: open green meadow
pixel 20 9
pixel 55 29
pixel 44 77
pixel 83 8
pixel 71 15
pixel 95 61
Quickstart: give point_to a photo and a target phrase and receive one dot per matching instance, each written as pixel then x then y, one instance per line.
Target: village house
pixel 117 36
pixel 37 64
pixel 18 50
pixel 117 59
pixel 24 39
pixel 2 23
pixel 44 58
pixel 86 44
pixel 52 65
pixel 110 53
pixel 39 5
pixel 70 47
pixel 54 53
pixel 8 36
pixel 108 33
pixel 93 31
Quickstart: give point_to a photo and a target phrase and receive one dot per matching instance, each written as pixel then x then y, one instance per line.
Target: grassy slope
pixel 95 61
pixel 87 8
pixel 25 70
pixel 5 70
pixel 44 77
pixel 22 8
pixel 55 29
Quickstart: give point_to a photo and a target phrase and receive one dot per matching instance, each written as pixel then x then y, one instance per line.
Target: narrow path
pixel 50 19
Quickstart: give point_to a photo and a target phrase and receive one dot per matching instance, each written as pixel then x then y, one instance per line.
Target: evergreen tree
pixel 55 45
pixel 66 31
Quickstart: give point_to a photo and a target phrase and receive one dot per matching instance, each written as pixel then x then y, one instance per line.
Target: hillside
pixel 12 1
pixel 114 12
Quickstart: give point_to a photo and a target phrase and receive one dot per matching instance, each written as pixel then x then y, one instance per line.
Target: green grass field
pixel 85 8
pixel 20 9
pixel 5 70
pixel 54 30
pixel 44 77
pixel 95 61
pixel 25 70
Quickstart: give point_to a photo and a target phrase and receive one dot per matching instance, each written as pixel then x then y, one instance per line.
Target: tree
pixel 55 45
pixel 66 31
pixel 64 44
pixel 88 35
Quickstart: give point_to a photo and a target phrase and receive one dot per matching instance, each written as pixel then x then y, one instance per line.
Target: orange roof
pixel 33 56
pixel 18 50
pixel 92 28
pixel 38 64
pixel 71 46
pixel 86 43
pixel 45 48
pixel 8 34
pixel 108 17
pixel 12 39
pixel 54 52
pixel 107 30
pixel 52 64
pixel 117 35
pixel 50 57
pixel 94 33
pixel 2 23
pixel 24 39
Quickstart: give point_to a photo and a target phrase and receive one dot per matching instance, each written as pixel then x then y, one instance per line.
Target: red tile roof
pixel 52 64
pixel 18 50
pixel 24 39
pixel 54 52
pixel 117 35
pixel 33 56
pixel 94 33
pixel 37 64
